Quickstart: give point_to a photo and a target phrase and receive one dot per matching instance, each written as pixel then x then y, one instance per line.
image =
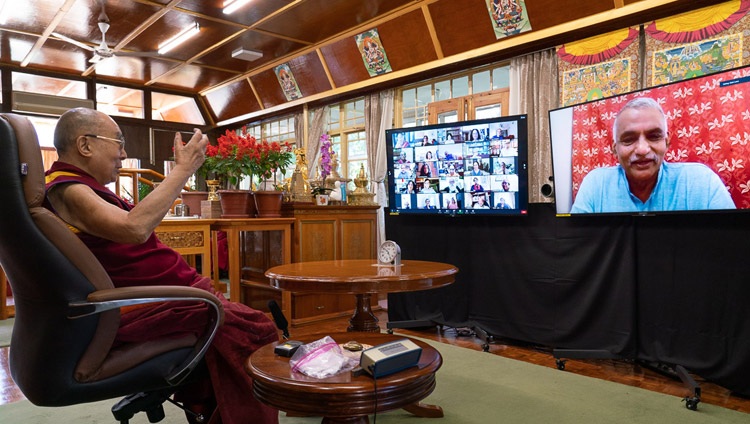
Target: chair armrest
pixel 115 298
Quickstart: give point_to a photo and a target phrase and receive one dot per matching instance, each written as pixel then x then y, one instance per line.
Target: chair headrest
pixel 31 161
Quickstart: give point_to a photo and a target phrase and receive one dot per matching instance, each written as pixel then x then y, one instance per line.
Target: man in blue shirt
pixel 643 181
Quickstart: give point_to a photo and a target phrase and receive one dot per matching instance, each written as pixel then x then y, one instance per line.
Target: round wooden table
pixel 345 398
pixel 361 277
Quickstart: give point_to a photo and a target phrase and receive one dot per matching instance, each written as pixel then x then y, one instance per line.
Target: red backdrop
pixel 707 124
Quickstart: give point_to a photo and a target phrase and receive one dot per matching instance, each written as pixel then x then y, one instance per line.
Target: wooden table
pixel 344 398
pixel 361 277
pixel 189 237
pixel 234 227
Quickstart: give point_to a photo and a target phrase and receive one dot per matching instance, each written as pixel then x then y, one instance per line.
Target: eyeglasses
pixel 120 141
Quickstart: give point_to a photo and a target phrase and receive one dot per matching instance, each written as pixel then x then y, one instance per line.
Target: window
pixel 346 126
pixel 119 101
pixel 174 108
pixel 414 99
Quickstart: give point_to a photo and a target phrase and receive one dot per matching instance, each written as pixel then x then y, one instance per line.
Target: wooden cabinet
pixel 319 233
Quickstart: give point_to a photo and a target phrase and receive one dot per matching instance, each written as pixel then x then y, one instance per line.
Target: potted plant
pixel 266 160
pixel 228 161
pixel 321 195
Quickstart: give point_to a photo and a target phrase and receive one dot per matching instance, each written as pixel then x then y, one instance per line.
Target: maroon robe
pixel 153 263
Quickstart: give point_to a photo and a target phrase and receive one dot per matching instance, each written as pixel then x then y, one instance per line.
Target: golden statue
pixel 300 187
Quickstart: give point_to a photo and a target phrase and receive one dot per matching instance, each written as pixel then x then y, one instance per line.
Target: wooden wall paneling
pixel 136 140
pixel 268 88
pixel 134 69
pixel 318 240
pixel 232 100
pixel 248 16
pixel 310 74
pixel 462 26
pixel 333 16
pixel 308 71
pixel 407 40
pixel 540 15
pixel 345 62
pixel 192 78
pixel 271 47
pixel 57 56
pixel 358 238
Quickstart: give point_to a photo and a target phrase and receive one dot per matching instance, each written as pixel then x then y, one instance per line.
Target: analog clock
pixel 389 253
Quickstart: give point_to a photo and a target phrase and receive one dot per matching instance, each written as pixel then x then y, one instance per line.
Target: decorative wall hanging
pixel 373 53
pixel 288 83
pixel 697 43
pixel 612 66
pixel 508 17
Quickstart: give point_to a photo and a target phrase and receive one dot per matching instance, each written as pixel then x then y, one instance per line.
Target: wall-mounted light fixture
pixel 231 6
pixel 180 38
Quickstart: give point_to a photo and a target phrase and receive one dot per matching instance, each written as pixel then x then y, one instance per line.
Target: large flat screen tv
pixel 700 163
pixel 462 168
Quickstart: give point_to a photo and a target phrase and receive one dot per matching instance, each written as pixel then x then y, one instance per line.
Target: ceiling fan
pixel 102 51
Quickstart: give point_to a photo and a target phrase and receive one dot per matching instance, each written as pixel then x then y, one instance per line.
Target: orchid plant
pixel 325 156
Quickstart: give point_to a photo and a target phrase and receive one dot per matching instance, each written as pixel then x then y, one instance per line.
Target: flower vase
pixel 236 203
pixel 268 203
pixel 193 200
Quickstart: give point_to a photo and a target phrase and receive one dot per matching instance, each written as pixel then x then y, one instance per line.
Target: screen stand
pixel 412 324
pixel 679 372
pixel 674 371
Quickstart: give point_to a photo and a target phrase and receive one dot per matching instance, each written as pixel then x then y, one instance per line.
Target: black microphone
pixel 279 318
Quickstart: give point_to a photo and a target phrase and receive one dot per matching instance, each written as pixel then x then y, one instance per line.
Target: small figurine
pixel 336 193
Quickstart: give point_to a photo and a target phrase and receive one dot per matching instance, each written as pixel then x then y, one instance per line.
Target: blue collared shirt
pixel 680 186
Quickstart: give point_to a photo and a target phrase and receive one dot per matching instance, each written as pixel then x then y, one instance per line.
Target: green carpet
pixel 474 387
pixel 6 328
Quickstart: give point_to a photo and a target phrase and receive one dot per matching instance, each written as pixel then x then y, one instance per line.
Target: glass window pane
pixel 353 169
pixel 409 118
pixel 357 148
pixel 490 111
pixel 451 116
pixel 480 82
pixel 409 98
pixel 461 86
pixel 45 129
pixel 501 77
pixel 48 85
pixel 424 96
pixel 119 101
pixel 174 108
pixel 442 90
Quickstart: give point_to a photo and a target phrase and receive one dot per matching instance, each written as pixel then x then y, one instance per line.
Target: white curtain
pixel 378 118
pixel 317 128
pixel 533 91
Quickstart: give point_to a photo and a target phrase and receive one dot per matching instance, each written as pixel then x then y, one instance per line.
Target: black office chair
pixel 67 310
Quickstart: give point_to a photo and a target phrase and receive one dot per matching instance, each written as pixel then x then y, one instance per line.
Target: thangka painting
pixel 696 59
pixel 373 53
pixel 697 43
pixel 288 83
pixel 610 67
pixel 595 82
pixel 508 17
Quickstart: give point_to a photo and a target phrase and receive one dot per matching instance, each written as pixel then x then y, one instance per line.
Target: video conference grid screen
pixel 471 167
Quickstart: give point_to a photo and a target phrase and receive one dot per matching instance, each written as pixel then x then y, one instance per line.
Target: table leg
pixel 363 318
pixel 423 410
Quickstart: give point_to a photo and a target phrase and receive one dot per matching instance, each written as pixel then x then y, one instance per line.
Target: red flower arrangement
pixel 236 155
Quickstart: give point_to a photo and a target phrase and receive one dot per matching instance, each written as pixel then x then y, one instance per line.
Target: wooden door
pixel 490 104
pixel 451 110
